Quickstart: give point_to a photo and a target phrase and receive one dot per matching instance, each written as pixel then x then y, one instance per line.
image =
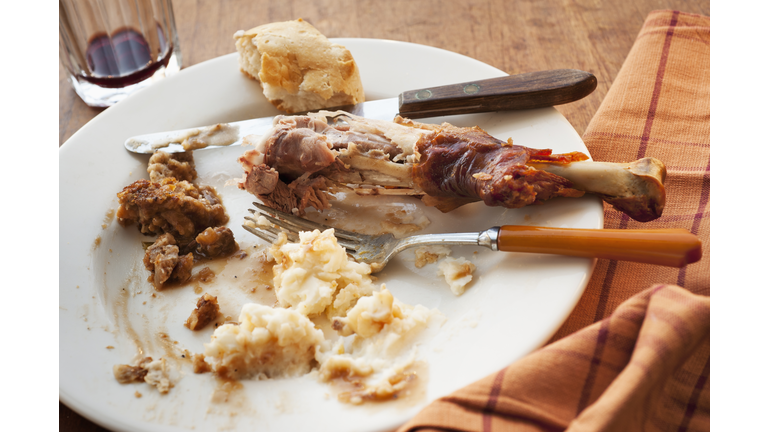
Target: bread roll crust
pixel 299 69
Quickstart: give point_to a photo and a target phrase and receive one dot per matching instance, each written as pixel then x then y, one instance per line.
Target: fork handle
pixel 665 247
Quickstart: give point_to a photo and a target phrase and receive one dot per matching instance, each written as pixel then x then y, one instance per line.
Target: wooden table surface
pixel 515 36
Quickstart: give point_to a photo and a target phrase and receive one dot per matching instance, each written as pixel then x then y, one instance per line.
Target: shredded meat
pixel 170 206
pixel 206 311
pixel 216 242
pixel 164 263
pixel 299 194
pixel 180 166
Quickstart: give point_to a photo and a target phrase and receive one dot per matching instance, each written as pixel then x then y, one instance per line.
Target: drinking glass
pixel 111 48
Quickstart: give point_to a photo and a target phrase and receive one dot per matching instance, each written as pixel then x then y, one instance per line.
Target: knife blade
pixel 514 92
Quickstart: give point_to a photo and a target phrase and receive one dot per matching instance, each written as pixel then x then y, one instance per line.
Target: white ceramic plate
pixel 514 305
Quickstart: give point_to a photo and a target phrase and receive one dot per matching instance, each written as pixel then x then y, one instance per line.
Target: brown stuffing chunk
pixel 164 263
pixel 206 311
pixel 180 166
pixel 170 206
pixel 216 242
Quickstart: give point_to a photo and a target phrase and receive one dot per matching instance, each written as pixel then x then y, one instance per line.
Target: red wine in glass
pixel 122 59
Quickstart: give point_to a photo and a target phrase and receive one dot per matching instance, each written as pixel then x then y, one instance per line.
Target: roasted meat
pixel 304 158
pixel 464 165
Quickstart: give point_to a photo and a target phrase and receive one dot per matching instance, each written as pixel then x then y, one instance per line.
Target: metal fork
pixel 666 247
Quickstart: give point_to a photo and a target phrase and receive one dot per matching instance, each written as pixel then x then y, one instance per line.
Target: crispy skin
pixel 464 165
pixel 177 207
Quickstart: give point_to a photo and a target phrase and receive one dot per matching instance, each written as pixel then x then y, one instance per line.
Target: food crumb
pixel 206 311
pixel 206 274
pixel 199 364
pixel 457 273
pixel 430 254
pixel 110 347
pixel 137 394
pixel 154 373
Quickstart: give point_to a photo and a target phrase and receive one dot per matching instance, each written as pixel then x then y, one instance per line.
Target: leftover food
pixel 266 343
pixel 430 254
pixel 298 68
pixel 206 311
pixel 153 372
pixel 305 157
pixel 164 263
pixel 457 273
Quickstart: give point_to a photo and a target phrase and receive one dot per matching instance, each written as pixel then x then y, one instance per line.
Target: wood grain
pixel 516 36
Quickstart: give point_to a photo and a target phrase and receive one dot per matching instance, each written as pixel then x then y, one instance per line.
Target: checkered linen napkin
pixel 634 354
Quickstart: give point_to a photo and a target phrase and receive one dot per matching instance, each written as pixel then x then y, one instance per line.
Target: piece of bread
pixel 299 69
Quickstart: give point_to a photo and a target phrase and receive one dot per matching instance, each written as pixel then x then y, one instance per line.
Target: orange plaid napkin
pixel 634 353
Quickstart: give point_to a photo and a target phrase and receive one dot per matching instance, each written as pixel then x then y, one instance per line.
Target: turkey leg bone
pixel 635 188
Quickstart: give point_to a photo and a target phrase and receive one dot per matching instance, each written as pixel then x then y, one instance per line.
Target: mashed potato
pixel 383 351
pixel 430 254
pixel 369 315
pixel 308 274
pixel 372 339
pixel 457 273
pixel 268 342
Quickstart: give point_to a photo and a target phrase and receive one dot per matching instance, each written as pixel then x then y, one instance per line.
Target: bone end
pixel 648 204
pixel 635 188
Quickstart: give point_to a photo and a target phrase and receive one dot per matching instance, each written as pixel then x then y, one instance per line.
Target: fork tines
pixel 292 225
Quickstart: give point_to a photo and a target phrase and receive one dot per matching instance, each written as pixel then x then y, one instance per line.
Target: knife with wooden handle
pixel 515 92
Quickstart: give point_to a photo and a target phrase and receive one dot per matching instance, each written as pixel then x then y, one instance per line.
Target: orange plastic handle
pixel 665 247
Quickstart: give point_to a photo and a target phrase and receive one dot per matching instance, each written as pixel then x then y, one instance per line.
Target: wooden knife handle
pixel 515 92
pixel 665 247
